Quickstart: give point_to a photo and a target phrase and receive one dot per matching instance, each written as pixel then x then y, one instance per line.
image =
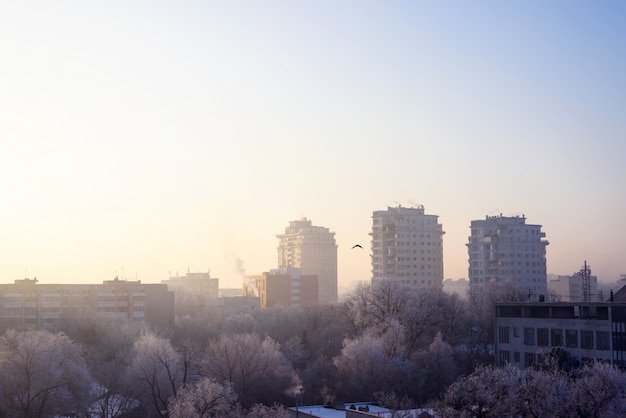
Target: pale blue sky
pixel 151 137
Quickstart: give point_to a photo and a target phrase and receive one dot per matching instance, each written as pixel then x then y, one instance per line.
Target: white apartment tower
pixel 312 249
pixel 407 246
pixel 506 249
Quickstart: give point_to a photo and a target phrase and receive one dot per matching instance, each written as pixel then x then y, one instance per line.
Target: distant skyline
pixel 156 137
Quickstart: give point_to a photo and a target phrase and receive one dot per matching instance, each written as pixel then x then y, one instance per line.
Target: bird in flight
pixel 356 246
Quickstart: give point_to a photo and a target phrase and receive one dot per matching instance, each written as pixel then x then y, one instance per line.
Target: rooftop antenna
pixel 586 272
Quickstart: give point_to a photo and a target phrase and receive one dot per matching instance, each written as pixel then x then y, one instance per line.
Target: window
pixel 504 357
pixel 503 335
pixel 556 336
pixel 529 336
pixel 586 339
pixel 602 340
pixel 543 339
pixel 571 338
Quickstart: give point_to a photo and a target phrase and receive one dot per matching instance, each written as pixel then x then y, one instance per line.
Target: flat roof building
pixel 314 250
pixel 524 331
pixel 27 303
pixel 283 287
pixel 507 249
pixel 407 247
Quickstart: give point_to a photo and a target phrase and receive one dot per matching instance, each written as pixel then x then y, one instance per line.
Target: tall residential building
pixel 506 249
pixel 312 249
pixel 407 246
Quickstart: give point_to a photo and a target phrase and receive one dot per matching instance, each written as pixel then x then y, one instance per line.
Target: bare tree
pixel 109 357
pixel 599 390
pixel 435 370
pixel 42 374
pixel 203 399
pixel 263 411
pixel 368 364
pixel 487 392
pixel 158 367
pixel 255 368
pixel 543 393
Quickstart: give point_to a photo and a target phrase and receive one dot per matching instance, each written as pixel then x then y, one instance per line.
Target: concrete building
pixel 312 249
pixel 283 287
pixel 506 249
pixel 586 330
pixel 199 284
pixel 27 303
pixel 459 286
pixel 579 287
pixel 407 246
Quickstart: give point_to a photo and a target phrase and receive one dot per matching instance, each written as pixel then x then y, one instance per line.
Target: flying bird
pixel 356 246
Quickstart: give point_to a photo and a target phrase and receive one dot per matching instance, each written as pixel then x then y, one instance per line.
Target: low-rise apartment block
pixel 283 287
pixel 586 330
pixel 27 303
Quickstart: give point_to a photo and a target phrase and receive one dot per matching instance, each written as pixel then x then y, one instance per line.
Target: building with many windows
pixel 283 287
pixel 524 331
pixel 27 303
pixel 407 246
pixel 313 250
pixel 507 249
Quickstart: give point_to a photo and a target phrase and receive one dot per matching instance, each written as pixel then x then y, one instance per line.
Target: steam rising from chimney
pixel 246 280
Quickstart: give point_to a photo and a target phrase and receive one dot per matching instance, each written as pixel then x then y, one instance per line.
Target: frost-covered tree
pixel 256 369
pixel 263 411
pixel 485 393
pixel 43 374
pixel 434 369
pixel 599 390
pixel 203 399
pixel 421 313
pixel 158 368
pixel 109 358
pixel 595 390
pixel 542 393
pixel 367 364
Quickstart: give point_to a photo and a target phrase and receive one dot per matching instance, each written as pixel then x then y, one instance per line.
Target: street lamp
pixel 298 393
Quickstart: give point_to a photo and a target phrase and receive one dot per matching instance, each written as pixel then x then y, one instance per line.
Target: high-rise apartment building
pixel 313 250
pixel 507 249
pixel 407 246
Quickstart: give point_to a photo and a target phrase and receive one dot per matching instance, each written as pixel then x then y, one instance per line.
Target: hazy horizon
pixel 144 139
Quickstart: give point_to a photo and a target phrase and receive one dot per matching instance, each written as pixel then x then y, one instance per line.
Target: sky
pixel 145 139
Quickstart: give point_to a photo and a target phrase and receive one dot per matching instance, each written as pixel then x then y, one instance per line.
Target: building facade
pixel 579 287
pixel 194 284
pixel 507 249
pixel 407 246
pixel 283 287
pixel 524 331
pixel 27 303
pixel 313 250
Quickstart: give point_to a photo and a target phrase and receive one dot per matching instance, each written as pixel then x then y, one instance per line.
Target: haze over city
pixel 143 139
